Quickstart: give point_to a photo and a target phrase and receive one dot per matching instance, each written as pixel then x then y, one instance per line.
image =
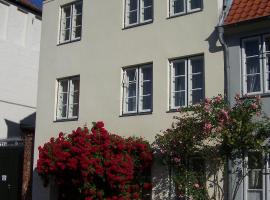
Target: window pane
pixel 267 44
pixel 131 75
pixel 253 83
pixel 75 110
pixel 66 23
pixel 180 84
pixel 78 8
pixel 194 4
pixel 147 3
pixel 132 90
pixel 133 5
pixel 78 32
pixel 66 34
pixel 147 102
pixel 178 6
pixel 78 20
pixel 268 71
pixel 63 111
pixel 63 86
pixel 76 97
pixel 66 11
pixel 255 195
pixel 147 88
pixel 146 73
pixel 253 65
pixel 254 179
pixel 179 99
pixel 147 13
pixel 179 68
pixel 197 81
pixel 197 96
pixel 197 65
pixel 255 160
pixel 131 104
pixel 252 47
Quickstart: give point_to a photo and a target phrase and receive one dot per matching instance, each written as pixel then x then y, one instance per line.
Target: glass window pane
pixel 197 81
pixel 147 13
pixel 78 32
pixel 63 86
pixel 267 44
pixel 180 99
pixel 147 102
pixel 63 111
pixel 131 75
pixel 255 160
pixel 78 20
pixel 252 47
pixel 253 83
pixel 133 17
pixel 66 23
pixel 256 195
pixel 76 97
pixel 197 65
pixel 66 11
pixel 179 68
pixel 147 3
pixel 197 96
pixel 146 73
pixel 131 104
pixel 75 84
pixel 78 8
pixel 194 4
pixel 253 65
pixel 132 90
pixel 66 34
pixel 254 179
pixel 133 5
pixel 147 88
pixel 75 110
pixel 180 84
pixel 178 6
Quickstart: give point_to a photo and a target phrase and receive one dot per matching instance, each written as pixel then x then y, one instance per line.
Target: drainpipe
pixel 220 29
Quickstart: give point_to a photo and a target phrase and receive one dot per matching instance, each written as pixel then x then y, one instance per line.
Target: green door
pixel 10 173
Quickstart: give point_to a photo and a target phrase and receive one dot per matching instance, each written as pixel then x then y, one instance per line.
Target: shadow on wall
pixel 13 129
pixel 213 41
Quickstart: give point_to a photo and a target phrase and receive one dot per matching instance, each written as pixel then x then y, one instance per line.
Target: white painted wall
pixel 19 58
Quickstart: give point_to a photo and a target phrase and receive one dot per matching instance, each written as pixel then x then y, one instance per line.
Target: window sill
pixel 136 114
pixel 183 14
pixel 68 42
pixel 66 120
pixel 136 25
pixel 251 96
pixel 172 111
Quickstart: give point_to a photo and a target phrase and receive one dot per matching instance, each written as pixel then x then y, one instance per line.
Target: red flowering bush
pixel 90 165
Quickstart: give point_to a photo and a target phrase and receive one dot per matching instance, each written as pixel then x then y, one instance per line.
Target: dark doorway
pixel 10 172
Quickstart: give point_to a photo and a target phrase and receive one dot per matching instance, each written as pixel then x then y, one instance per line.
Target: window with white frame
pixel 256 65
pixel 138 11
pixel 186 81
pixel 68 98
pixel 257 180
pixel 71 22
pixel 178 7
pixel 137 89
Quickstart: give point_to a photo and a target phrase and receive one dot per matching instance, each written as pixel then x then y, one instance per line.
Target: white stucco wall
pixel 19 58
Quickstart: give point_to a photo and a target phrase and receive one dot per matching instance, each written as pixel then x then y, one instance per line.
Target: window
pixel 258 178
pixel 178 7
pixel 138 11
pixel 186 81
pixel 137 89
pixel 68 98
pixel 256 65
pixel 71 22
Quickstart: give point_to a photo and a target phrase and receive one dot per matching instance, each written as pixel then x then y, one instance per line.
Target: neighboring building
pixel 129 63
pixel 20 29
pixel 247 42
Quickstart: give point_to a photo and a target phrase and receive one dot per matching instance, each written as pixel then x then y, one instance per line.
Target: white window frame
pixel 72 26
pixel 263 66
pixel 187 8
pixel 70 95
pixel 139 89
pixel 139 10
pixel 265 178
pixel 188 80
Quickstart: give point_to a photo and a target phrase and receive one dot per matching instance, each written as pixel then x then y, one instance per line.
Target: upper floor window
pixel 138 11
pixel 178 7
pixel 256 65
pixel 71 22
pixel 186 81
pixel 137 89
pixel 68 98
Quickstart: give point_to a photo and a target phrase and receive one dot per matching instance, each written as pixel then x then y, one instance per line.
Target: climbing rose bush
pixel 94 164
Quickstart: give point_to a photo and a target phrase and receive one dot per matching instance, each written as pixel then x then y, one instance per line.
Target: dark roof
pixel 243 10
